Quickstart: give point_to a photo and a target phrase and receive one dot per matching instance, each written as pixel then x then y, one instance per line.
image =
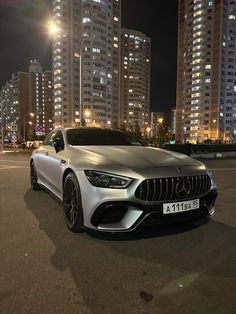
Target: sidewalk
pixel 218 155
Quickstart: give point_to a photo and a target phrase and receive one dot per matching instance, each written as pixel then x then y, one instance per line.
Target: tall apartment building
pixel 86 62
pixel 9 102
pixel 24 94
pixel 173 121
pixel 135 79
pixel 206 80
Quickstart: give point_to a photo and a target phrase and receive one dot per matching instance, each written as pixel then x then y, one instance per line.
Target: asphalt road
pixel 44 268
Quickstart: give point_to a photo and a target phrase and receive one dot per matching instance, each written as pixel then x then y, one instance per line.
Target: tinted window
pixel 90 136
pixel 60 136
pixel 49 139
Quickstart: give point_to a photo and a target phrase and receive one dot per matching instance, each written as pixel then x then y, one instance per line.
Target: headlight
pixel 107 180
pixel 209 172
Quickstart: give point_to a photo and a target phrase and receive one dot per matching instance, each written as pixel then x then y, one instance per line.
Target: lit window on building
pixel 196 68
pixel 195 95
pixel 197 13
pixel 196 74
pixel 197 6
pixel 196 82
pixel 197 47
pixel 86 20
pixel 197 34
pixel 97 50
pixel 195 21
pixel 196 54
pixel 197 61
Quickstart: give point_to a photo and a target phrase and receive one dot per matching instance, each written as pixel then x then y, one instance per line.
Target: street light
pixel 159 123
pixel 53 28
pixel 148 129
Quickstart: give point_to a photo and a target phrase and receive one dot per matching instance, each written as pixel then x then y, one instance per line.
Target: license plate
pixel 178 207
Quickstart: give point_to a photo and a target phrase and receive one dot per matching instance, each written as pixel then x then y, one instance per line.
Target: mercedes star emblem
pixel 183 188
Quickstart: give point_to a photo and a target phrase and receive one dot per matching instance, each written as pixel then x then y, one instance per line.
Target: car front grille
pixel 174 188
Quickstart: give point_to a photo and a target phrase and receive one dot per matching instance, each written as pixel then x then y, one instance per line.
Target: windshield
pixel 96 136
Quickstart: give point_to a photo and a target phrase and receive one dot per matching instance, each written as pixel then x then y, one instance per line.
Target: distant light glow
pixel 53 28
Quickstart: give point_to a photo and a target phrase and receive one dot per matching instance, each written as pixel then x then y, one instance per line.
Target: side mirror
pixel 58 144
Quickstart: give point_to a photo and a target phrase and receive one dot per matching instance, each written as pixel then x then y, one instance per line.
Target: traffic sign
pixel 13 127
pixel 14 137
pixel 38 128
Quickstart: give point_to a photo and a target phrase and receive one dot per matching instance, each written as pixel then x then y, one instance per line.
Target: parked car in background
pixel 109 181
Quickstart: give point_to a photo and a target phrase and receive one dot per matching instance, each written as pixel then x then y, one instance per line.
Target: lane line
pixel 4 167
pixel 6 160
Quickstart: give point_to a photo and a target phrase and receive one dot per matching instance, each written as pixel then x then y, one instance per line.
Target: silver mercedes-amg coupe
pixel 109 181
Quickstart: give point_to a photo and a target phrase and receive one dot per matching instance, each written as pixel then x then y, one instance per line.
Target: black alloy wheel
pixel 72 204
pixel 34 178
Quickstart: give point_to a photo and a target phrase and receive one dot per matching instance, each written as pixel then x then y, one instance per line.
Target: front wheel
pixel 34 178
pixel 72 203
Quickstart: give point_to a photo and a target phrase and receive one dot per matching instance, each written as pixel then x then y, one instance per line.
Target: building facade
pixel 26 101
pixel 135 79
pixel 206 79
pixel 173 121
pixel 86 62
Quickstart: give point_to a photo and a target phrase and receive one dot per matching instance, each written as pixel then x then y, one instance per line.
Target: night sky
pixel 23 37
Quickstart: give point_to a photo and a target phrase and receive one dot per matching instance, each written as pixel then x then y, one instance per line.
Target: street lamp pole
pixel 24 129
pixel 160 120
pixel 185 129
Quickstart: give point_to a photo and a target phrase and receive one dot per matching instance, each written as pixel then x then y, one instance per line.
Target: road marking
pixel 4 167
pixel 7 160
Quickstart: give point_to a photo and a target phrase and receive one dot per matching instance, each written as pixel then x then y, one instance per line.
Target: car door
pixel 40 159
pixel 52 163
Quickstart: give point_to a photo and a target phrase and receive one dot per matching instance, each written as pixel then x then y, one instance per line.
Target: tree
pixel 162 135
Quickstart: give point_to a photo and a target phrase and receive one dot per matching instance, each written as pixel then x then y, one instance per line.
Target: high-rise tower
pixel 135 79
pixel 206 82
pixel 86 62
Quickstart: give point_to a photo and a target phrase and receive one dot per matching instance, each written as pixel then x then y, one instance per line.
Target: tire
pixel 72 204
pixel 34 178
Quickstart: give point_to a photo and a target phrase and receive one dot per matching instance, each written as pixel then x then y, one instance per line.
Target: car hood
pixel 132 157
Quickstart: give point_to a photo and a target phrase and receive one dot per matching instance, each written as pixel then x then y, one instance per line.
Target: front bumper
pixel 125 216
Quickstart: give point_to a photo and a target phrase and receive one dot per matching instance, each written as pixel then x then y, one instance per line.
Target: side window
pixel 58 134
pixel 49 139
